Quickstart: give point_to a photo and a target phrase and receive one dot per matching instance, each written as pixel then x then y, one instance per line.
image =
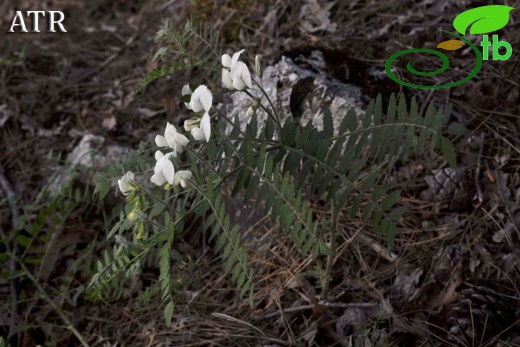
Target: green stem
pixel 330 259
pixel 274 116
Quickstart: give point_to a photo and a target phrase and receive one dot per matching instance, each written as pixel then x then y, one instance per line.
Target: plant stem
pixel 330 259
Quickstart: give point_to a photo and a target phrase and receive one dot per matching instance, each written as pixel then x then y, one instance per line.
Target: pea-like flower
pixel 163 171
pixel 126 183
pixel 173 139
pixel 203 131
pixel 182 177
pixel 235 74
pixel 228 62
pixel 201 99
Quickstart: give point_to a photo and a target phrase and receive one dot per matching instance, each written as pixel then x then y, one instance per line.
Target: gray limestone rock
pixel 88 157
pixel 300 90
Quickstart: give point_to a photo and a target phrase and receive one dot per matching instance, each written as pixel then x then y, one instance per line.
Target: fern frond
pixel 330 168
pixel 228 239
pixel 112 265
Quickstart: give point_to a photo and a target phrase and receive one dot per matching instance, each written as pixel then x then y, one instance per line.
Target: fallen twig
pixel 479 194
pixel 322 303
pixel 382 251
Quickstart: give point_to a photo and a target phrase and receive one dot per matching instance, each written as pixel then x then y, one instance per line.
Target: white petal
pixel 201 99
pixel 158 155
pixel 205 126
pixel 168 171
pixel 181 139
pixel 122 187
pixel 186 174
pixel 246 77
pixel 161 141
pixel 124 183
pixel 171 136
pixel 178 148
pixel 195 105
pixel 206 99
pixel 240 75
pixel 236 56
pixel 226 61
pixel 170 128
pixel 195 100
pixel 238 69
pixel 177 178
pixel 197 134
pixel 157 179
pixel 227 81
pixel 186 90
pixel 181 178
pixel 171 155
pixel 238 84
pixel 159 164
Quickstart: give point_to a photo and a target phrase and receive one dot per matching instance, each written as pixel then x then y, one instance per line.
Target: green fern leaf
pixel 102 185
pixel 168 313
pixel 448 151
pixel 328 125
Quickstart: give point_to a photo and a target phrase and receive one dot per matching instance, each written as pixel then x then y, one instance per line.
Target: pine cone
pixel 479 314
pixel 447 185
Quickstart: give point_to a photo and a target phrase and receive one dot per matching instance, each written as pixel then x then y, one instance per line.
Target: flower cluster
pixel 235 76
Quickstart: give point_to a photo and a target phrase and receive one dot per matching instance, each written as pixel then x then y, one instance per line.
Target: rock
pixel 88 157
pixel 91 154
pixel 299 91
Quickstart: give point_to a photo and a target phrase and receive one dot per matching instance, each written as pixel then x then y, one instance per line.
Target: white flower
pixel 204 129
pixel 159 155
pixel 163 170
pixel 201 99
pixel 235 74
pixel 172 139
pixel 228 62
pixel 182 177
pixel 125 183
pixel 186 90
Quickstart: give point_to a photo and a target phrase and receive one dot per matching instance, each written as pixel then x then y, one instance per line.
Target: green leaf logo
pixel 485 19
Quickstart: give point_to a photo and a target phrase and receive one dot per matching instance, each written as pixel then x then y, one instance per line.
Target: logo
pixel 54 21
pixel 483 20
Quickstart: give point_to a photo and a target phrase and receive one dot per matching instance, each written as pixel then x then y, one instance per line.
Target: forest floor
pixel 55 88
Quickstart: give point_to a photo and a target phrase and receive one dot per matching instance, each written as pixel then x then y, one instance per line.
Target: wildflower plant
pixel 283 168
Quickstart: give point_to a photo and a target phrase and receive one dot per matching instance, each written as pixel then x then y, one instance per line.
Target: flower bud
pixel 251 111
pixel 191 123
pixel 258 65
pixel 141 230
pixel 133 216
